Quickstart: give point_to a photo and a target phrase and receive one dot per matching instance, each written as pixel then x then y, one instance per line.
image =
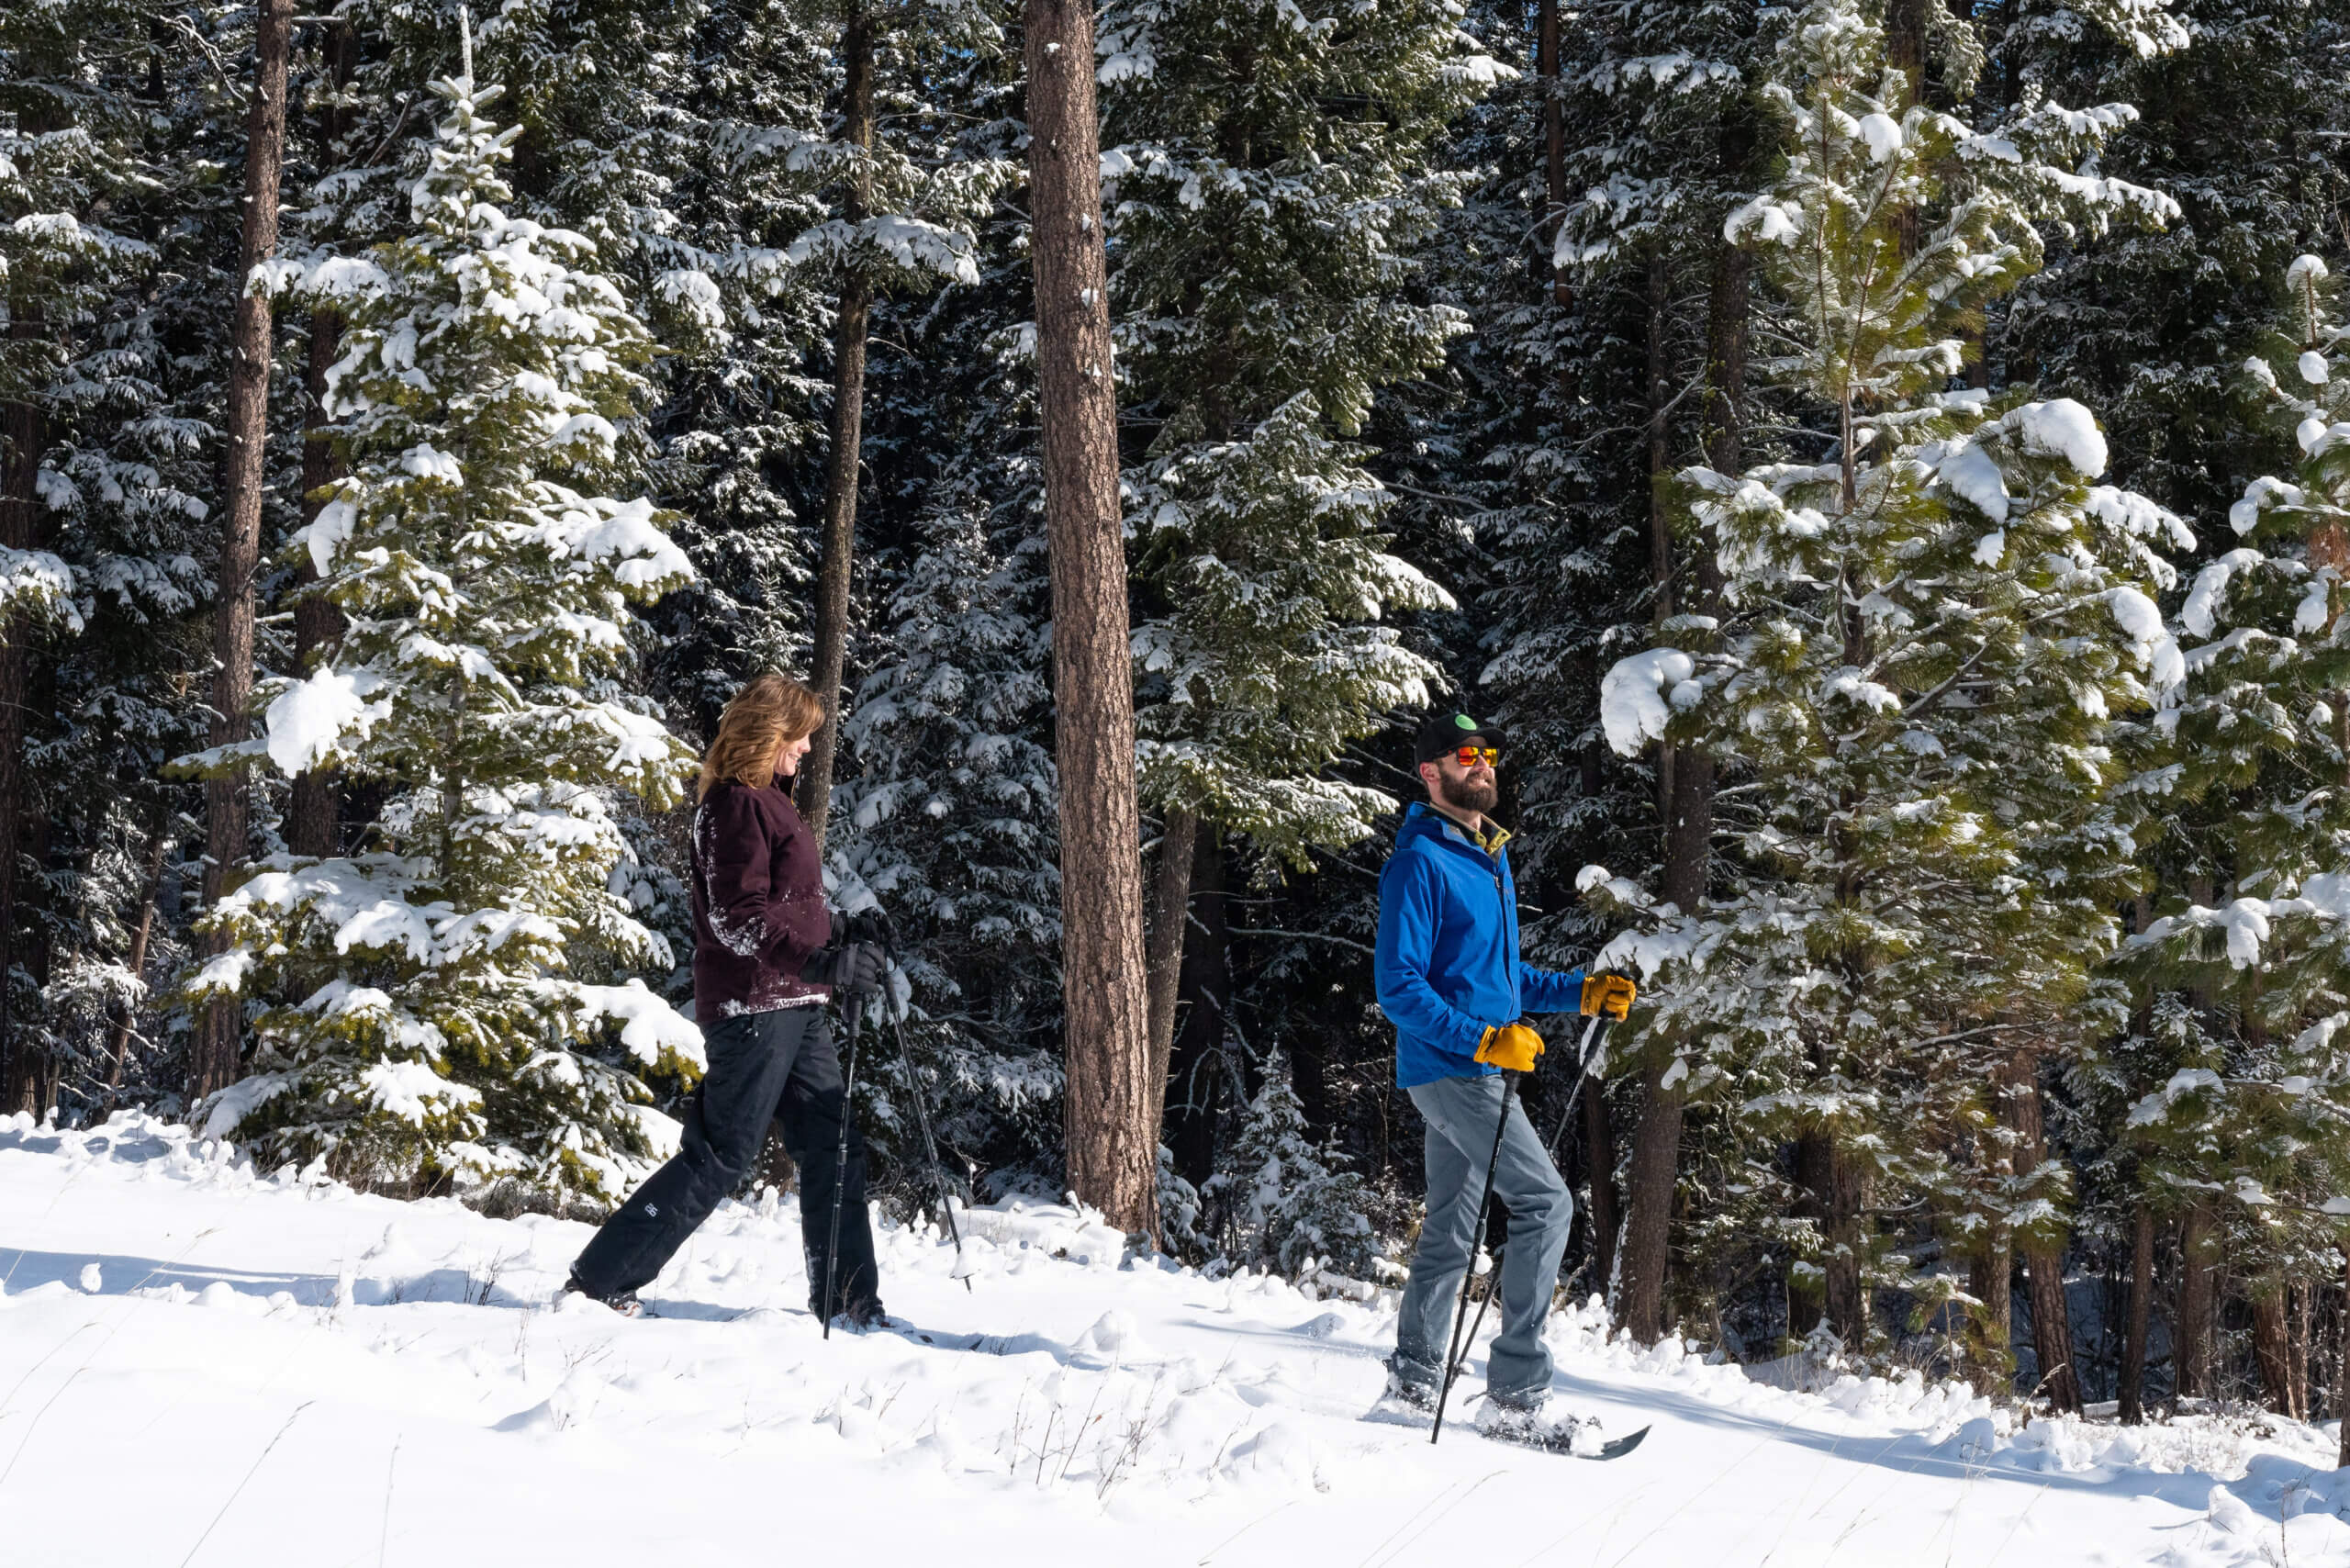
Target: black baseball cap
pixel 1446 729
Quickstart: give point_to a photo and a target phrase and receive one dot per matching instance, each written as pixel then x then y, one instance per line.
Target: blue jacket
pixel 1448 965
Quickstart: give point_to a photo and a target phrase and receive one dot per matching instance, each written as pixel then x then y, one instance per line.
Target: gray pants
pixel 1460 1114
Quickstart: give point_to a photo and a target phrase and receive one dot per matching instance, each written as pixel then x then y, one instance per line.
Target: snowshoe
pixel 623 1302
pixel 1546 1423
pixel 1404 1402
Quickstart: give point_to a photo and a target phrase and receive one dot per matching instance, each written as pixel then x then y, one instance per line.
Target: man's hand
pixel 1510 1046
pixel 1608 995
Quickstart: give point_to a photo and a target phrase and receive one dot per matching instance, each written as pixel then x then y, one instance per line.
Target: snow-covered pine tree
pixel 1281 1199
pixel 1925 633
pixel 1272 173
pixel 2250 773
pixel 423 1017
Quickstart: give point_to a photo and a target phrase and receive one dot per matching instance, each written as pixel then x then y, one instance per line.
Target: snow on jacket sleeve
pixel 1547 991
pixel 753 913
pixel 1407 910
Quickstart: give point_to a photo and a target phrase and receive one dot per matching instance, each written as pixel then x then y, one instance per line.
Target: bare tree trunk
pixel 2198 1301
pixel 312 825
pixel 2298 1327
pixel 2131 1400
pixel 2043 1261
pixel 1170 901
pixel 1112 1147
pixel 25 432
pixel 1990 1279
pixel 213 1064
pixel 1554 144
pixel 1204 991
pixel 851 322
pixel 157 841
pixel 2342 1367
pixel 1599 1138
pixel 2271 1348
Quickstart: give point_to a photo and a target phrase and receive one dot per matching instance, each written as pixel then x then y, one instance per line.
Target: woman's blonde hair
pixel 768 714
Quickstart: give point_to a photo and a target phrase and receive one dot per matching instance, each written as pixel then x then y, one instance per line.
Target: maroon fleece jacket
pixel 758 904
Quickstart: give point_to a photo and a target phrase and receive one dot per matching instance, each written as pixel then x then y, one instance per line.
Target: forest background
pixel 1880 465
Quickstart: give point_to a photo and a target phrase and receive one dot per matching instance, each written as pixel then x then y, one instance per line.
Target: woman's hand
pixel 852 969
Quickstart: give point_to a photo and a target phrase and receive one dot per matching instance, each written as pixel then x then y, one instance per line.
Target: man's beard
pixel 1468 795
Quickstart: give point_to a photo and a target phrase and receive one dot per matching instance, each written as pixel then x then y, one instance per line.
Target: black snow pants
pixel 764 1067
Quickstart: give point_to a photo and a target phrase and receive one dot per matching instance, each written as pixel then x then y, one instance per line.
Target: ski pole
pixel 921 1119
pixel 1595 1031
pixel 1460 1313
pixel 1595 1036
pixel 839 1164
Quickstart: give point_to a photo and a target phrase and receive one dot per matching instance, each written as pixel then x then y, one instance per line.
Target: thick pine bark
pixel 1113 1150
pixel 1180 843
pixel 851 322
pixel 213 1064
pixel 24 433
pixel 2272 1349
pixel 2198 1301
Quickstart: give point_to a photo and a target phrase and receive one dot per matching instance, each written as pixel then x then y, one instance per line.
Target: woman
pixel 766 953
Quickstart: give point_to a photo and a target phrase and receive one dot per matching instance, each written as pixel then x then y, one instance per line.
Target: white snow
pixel 2312 367
pixel 1970 475
pixel 306 720
pixel 2142 622
pixel 2061 427
pixel 1631 704
pixel 200 1361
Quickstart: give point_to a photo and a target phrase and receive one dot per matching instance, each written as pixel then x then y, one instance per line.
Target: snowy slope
pixel 199 1364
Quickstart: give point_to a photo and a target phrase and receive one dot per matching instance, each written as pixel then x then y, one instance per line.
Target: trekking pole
pixel 921 1119
pixel 1460 1313
pixel 839 1164
pixel 1594 1037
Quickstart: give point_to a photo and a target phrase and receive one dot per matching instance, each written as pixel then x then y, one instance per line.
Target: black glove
pixel 852 969
pixel 866 925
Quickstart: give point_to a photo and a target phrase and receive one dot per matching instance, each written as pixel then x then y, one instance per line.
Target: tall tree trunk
pixel 2342 1366
pixel 213 1064
pixel 1554 145
pixel 141 934
pixel 1990 1279
pixel 1113 1152
pixel 2272 1348
pixel 851 322
pixel 2132 1399
pixel 1183 840
pixel 2198 1301
pixel 2044 1258
pixel 312 825
pixel 1599 1138
pixel 1653 1168
pixel 24 432
pixel 2298 1328
pixel 1204 992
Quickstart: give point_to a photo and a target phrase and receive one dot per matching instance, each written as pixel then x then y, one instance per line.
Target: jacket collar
pixel 1421 819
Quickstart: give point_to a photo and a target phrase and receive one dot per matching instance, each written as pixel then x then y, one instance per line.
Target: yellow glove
pixel 1510 1046
pixel 1610 994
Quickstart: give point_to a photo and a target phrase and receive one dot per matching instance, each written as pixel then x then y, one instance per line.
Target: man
pixel 1452 983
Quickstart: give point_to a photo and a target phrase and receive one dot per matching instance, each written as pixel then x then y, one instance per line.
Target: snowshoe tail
pixel 1617 1448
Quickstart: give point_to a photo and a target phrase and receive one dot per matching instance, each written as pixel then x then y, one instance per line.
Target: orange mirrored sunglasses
pixel 1470 756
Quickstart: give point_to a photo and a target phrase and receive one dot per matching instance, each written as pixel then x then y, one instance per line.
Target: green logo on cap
pixel 1462 721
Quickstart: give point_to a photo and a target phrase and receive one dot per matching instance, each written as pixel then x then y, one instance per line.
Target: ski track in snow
pixel 203 1365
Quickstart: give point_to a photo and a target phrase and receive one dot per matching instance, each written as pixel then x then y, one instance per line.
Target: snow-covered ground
pixel 200 1364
